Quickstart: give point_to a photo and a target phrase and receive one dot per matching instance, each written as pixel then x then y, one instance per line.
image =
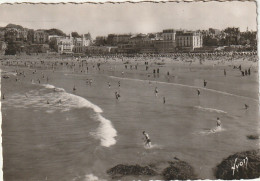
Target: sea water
pixel 51 132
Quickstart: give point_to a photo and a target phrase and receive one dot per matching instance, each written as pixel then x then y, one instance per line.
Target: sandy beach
pixel 62 121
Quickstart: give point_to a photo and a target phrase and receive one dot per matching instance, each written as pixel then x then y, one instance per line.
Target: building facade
pixel 80 44
pixel 168 44
pixel 188 40
pixel 65 45
pixel 3 47
pixel 40 37
pixel 115 39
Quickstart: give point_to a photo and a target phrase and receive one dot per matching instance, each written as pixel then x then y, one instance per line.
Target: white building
pixel 65 45
pixel 80 44
pixel 169 35
pixel 188 40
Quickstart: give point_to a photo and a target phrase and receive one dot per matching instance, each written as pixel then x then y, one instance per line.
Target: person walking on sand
pixel 147 141
pixel 246 106
pixel 164 100
pixel 225 73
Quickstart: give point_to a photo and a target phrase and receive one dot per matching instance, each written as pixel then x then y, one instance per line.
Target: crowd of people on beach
pixel 84 65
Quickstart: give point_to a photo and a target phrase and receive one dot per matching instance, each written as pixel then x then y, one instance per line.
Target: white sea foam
pixel 212 131
pixel 88 177
pixel 7 73
pixel 210 109
pixel 153 146
pixel 105 132
pixel 60 100
pixel 49 86
pixel 91 177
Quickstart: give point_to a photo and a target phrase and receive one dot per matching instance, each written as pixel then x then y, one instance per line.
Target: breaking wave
pixel 60 100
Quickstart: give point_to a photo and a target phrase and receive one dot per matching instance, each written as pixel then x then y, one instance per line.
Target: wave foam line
pixel 105 132
pixel 210 109
pixel 190 86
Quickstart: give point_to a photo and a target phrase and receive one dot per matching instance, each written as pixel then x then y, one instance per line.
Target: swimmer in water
pixel 218 122
pixel 147 139
pixel 117 95
pixel 198 92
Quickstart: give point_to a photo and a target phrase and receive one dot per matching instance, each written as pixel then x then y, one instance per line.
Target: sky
pixel 102 19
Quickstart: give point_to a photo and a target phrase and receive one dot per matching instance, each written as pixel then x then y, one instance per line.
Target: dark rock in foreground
pixel 244 165
pixel 253 137
pixel 179 170
pixel 126 170
pixel 174 170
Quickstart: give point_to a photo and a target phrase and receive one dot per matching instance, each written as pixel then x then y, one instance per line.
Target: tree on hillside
pixel 75 35
pixel 13 47
pixel 14 26
pixel 53 45
pixel 54 31
pixel 209 41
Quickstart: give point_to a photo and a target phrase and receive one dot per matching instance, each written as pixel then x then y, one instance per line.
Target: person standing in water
pixel 156 91
pixel 218 122
pixel 205 83
pixel 198 91
pixel 146 139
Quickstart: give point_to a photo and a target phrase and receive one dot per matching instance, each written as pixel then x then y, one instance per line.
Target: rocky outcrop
pixel 252 137
pixel 179 170
pixel 127 170
pixel 172 170
pixel 244 165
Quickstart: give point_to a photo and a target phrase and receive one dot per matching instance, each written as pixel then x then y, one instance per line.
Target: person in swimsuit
pixel 147 139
